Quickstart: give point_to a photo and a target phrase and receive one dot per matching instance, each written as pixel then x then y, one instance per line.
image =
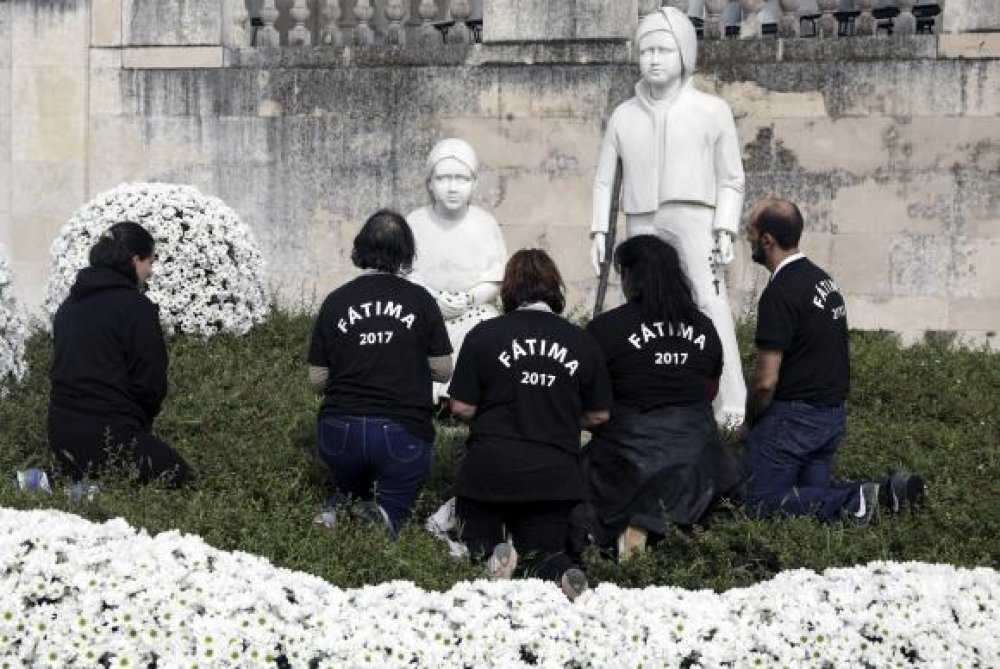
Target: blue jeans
pixel 373 457
pixel 789 462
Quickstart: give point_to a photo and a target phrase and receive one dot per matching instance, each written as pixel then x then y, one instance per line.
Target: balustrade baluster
pixel 428 34
pixel 299 35
pixel 906 23
pixel 460 33
pixel 363 33
pixel 789 25
pixel 713 18
pixel 332 34
pixel 750 25
pixel 268 35
pixel 827 22
pixel 238 19
pixel 866 22
pixel 394 13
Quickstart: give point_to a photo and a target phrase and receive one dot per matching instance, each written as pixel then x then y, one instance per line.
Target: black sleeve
pixel 146 358
pixel 466 383
pixel 596 386
pixel 318 344
pixel 438 342
pixel 775 322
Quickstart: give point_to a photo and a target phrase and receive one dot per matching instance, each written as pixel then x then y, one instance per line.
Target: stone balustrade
pixel 716 19
pixel 268 24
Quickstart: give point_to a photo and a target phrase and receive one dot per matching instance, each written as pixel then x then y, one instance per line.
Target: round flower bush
pixel 74 593
pixel 209 277
pixel 13 332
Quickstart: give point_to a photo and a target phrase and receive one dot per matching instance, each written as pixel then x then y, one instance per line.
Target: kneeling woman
pixel 377 344
pixel 109 370
pixel 527 381
pixel 659 460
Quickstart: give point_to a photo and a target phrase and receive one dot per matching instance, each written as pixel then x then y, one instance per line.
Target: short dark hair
pixel 117 245
pixel 532 276
pixel 385 243
pixel 782 220
pixel 653 278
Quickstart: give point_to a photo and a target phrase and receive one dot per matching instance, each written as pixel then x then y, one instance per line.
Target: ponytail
pixel 117 245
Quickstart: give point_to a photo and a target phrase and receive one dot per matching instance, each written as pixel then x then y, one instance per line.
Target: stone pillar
pixel 788 26
pixel 519 20
pixel 962 16
pixel 188 23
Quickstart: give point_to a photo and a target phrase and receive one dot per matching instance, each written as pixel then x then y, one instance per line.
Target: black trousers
pixel 88 446
pixel 540 531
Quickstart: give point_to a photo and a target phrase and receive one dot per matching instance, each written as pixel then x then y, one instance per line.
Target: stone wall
pixel 889 145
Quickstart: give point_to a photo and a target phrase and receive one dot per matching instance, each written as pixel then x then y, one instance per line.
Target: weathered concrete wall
pixel 45 131
pixel 6 57
pixel 890 146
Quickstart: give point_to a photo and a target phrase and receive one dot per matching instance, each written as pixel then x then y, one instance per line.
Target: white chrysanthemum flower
pixel 13 331
pixel 209 278
pixel 175 598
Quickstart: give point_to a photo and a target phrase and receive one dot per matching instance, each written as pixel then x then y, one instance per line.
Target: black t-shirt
pixel 531 375
pixel 802 314
pixel 375 334
pixel 655 364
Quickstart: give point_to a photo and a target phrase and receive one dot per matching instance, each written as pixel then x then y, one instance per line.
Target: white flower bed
pixel 13 332
pixel 210 275
pixel 73 592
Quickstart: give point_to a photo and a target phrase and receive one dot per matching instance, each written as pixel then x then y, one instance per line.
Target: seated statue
pixel 460 251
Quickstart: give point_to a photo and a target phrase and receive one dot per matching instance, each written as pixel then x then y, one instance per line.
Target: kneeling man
pixel 795 407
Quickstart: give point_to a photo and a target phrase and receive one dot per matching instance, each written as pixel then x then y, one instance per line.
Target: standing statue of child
pixel 682 179
pixel 460 251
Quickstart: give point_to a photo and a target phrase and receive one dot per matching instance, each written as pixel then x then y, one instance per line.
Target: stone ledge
pixel 970 45
pixel 172 58
pixel 716 55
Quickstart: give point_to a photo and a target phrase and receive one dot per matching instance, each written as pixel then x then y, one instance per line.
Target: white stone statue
pixel 460 251
pixel 682 179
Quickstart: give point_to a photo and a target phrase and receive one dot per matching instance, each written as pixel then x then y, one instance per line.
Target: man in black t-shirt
pixel 377 344
pixel 795 407
pixel 526 382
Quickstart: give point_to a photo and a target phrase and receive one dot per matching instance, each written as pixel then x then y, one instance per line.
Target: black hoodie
pixel 110 359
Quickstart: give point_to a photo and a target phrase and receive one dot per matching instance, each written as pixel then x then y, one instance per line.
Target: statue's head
pixel 667 45
pixel 452 168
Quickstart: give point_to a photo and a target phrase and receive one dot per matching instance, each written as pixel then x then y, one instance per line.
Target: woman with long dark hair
pixel 109 369
pixel 526 381
pixel 659 460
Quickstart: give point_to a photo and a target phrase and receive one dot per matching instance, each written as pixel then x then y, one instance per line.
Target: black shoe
pixel 900 490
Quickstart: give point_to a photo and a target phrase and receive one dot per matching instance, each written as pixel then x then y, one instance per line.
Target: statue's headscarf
pixel 675 22
pixel 455 148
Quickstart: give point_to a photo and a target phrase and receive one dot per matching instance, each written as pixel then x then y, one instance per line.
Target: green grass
pixel 240 411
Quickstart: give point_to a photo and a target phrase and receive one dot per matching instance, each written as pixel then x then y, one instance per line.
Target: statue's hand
pixel 724 247
pixel 597 251
pixel 452 305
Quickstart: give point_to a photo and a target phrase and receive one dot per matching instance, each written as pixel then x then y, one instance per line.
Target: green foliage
pixel 241 413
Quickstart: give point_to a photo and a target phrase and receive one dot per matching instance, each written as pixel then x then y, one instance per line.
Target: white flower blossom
pixel 13 332
pixel 79 594
pixel 209 278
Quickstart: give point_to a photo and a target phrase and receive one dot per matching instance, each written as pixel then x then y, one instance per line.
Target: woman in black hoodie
pixel 109 370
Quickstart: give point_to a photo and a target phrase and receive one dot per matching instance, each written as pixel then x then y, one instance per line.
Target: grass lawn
pixel 240 411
